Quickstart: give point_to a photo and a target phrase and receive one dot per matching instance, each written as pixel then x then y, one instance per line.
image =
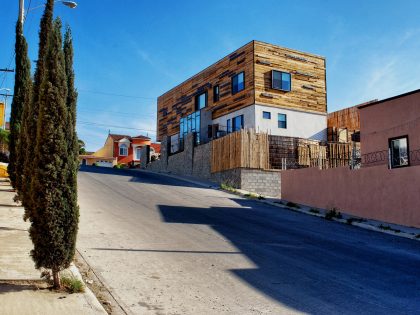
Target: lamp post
pixel 5 106
pixel 70 4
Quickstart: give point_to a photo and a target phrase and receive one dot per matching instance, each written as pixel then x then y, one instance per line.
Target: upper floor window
pixel 238 123
pixel 282 121
pixel 266 115
pixel 399 152
pixel 281 80
pixel 228 126
pixel 123 149
pixel 201 101
pixel 216 93
pixel 238 82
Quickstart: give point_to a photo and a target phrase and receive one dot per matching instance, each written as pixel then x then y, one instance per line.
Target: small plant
pixel 333 213
pixel 293 205
pixel 261 197
pixel 252 196
pixel 417 236
pixel 227 187
pixel 313 210
pixel 72 284
pixel 388 228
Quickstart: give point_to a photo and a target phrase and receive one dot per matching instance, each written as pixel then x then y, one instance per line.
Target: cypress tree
pixel 21 96
pixel 31 119
pixel 72 149
pixel 50 215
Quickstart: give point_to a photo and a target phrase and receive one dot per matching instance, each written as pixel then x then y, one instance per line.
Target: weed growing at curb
pixel 293 205
pixel 252 195
pixel 72 284
pixel 313 210
pixel 333 213
pixel 227 187
pixel 417 236
pixel 388 228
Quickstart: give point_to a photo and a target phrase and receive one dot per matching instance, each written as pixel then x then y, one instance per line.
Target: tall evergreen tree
pixel 21 96
pixel 31 120
pixel 70 192
pixel 51 214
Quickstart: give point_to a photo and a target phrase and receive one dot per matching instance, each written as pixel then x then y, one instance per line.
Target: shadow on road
pixel 312 265
pixel 138 176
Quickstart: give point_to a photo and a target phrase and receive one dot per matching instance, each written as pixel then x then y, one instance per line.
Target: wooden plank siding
pixel 256 59
pixel 180 101
pixel 307 71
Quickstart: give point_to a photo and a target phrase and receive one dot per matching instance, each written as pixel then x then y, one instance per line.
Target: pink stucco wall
pixel 373 192
pixel 389 119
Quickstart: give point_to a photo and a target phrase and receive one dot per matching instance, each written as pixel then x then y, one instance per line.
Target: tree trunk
pixel 57 280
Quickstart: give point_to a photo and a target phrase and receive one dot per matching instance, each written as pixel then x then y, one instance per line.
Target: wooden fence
pixel 245 148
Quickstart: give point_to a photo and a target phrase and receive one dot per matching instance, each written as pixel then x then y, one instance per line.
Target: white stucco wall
pixel 249 117
pixel 299 124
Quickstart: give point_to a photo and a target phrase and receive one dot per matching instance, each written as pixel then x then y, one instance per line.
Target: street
pixel 164 246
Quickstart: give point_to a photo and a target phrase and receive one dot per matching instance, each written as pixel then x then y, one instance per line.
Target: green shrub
pixel 72 284
pixel 333 213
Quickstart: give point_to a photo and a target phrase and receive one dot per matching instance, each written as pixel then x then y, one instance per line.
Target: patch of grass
pixel 254 196
pixel 293 205
pixel 358 220
pixel 227 187
pixel 388 228
pixel 72 284
pixel 333 213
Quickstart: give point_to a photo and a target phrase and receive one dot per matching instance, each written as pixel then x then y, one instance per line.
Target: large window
pixel 266 115
pixel 216 93
pixel 282 121
pixel 201 101
pixel 281 80
pixel 189 124
pixel 399 152
pixel 238 82
pixel 123 149
pixel 237 123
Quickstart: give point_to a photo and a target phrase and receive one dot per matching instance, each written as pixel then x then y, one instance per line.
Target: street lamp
pixel 70 4
pixel 5 106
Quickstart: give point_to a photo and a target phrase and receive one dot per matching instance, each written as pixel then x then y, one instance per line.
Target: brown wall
pixel 391 118
pixel 308 78
pixel 256 59
pixel 374 192
pixel 180 101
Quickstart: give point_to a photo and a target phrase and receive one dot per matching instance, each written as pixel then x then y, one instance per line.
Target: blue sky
pixel 129 52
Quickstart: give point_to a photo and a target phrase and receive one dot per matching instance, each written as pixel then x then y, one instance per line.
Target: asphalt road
pixel 164 246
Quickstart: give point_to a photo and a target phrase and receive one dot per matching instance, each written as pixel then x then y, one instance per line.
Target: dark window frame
pixel 197 97
pixel 216 96
pixel 269 115
pixel 278 121
pixel 391 166
pixel 231 83
pixel 281 73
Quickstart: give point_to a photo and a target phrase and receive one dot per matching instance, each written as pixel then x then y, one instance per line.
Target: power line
pixel 113 126
pixel 114 94
pixel 117 113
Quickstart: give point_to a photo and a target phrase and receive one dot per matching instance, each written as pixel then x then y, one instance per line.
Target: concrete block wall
pixel 196 161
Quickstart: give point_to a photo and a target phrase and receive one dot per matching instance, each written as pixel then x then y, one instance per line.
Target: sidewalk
pixel 21 289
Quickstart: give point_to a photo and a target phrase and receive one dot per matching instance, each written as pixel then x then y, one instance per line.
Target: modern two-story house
pixel 262 86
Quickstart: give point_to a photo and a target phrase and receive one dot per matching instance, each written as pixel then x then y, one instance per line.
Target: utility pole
pixel 21 10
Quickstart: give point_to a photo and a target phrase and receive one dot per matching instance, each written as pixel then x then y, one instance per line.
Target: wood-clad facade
pixel 256 60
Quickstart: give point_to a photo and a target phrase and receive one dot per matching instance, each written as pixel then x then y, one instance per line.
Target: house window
pixel 216 93
pixel 399 152
pixel 189 124
pixel 238 123
pixel 266 115
pixel 238 82
pixel 281 80
pixel 228 126
pixel 138 153
pixel 201 101
pixel 123 150
pixel 282 121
